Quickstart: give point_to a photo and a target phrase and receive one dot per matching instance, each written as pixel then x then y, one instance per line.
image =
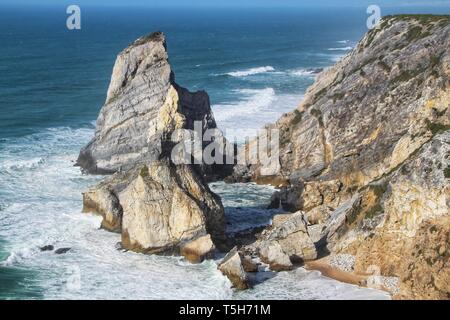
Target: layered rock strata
pixel 158 205
pixel 366 155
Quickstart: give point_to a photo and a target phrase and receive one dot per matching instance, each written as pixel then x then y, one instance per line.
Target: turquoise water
pixel 255 64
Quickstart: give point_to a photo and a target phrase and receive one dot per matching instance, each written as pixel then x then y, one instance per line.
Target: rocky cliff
pixel 143 107
pixel 364 164
pixel 366 155
pixel 156 205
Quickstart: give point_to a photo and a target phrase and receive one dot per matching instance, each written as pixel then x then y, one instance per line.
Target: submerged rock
pixel 275 200
pixel 232 267
pixel 47 248
pixel 62 250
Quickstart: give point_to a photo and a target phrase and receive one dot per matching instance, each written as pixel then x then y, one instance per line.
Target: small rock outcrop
pixel 272 254
pixel 232 267
pixel 199 249
pixel 103 201
pixel 291 233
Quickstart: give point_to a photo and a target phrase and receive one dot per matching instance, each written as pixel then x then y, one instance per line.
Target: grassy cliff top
pixel 422 18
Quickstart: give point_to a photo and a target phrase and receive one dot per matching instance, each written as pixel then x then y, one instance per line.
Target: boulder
pixel 279 219
pixel 47 248
pixel 271 253
pixel 163 208
pixel 232 267
pixel 197 250
pixel 166 206
pixel 319 214
pixel 336 225
pixel 248 264
pixel 62 250
pixel 316 233
pixel 101 200
pixel 292 235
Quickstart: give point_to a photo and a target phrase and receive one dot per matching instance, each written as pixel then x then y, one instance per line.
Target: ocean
pixel 255 64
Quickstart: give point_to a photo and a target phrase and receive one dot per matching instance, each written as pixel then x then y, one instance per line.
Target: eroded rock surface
pixel 366 155
pixel 165 208
pixel 232 267
pixel 157 206
pixel 143 107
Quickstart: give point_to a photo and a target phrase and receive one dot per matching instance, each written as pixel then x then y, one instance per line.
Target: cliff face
pixel 372 132
pixel 143 107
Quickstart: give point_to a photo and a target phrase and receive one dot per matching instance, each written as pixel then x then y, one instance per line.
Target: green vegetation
pixel 379 189
pixel 424 19
pixel 373 32
pixel 317 114
pixel 144 172
pixel 434 61
pixel 447 172
pixel 436 128
pixel 297 117
pixel 414 33
pixel 374 211
pixel 338 96
pixel 406 76
pixel 320 94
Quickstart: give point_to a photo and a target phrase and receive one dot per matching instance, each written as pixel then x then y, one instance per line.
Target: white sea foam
pixel 337 57
pixel 305 72
pixel 340 49
pixel 251 71
pixel 18 164
pixel 252 109
pixel 42 206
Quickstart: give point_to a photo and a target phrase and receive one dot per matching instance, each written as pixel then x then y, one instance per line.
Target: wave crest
pixel 251 71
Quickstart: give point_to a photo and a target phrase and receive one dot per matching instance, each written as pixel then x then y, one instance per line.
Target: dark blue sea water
pixel 254 63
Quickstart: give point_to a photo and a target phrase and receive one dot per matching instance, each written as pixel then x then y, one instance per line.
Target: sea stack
pixel 156 205
pixel 143 107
